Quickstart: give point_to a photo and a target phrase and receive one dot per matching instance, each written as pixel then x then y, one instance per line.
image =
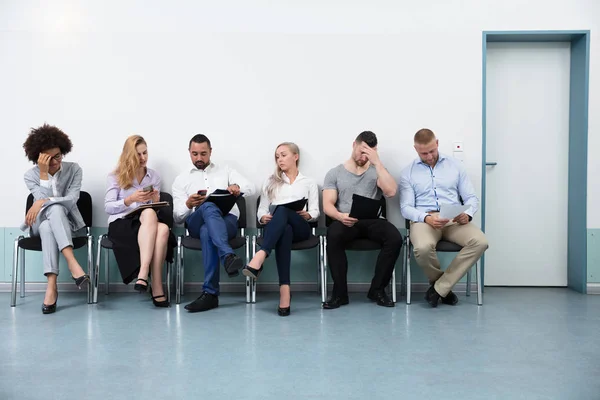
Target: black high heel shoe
pixel 164 303
pixel 285 311
pixel 139 287
pixel 85 278
pixel 251 272
pixel 49 309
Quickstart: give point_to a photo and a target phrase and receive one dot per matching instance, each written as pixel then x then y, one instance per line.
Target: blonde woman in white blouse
pixel 284 226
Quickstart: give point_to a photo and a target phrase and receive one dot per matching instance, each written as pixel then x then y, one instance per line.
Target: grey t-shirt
pixel 346 183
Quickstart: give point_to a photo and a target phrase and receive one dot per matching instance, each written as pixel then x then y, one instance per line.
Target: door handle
pixel 491 164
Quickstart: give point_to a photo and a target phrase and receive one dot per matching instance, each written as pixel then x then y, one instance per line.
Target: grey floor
pixel 522 344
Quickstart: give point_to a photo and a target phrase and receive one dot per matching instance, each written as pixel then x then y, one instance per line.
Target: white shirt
pixel 51 182
pixel 302 187
pixel 210 179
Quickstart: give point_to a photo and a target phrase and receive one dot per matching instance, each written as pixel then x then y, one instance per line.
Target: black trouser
pixel 285 228
pixel 377 230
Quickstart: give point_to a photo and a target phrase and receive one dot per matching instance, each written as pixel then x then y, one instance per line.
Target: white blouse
pixel 302 187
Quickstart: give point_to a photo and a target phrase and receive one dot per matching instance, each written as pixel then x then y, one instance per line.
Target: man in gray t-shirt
pixel 365 175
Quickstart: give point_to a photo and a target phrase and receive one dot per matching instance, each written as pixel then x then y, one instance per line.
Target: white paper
pixel 449 211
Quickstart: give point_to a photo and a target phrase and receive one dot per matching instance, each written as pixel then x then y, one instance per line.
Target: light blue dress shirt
pixel 423 188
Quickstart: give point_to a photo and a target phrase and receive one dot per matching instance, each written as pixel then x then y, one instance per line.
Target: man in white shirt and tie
pixel 205 221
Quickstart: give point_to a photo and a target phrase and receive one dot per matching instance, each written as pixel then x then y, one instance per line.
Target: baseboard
pixel 593 288
pixel 237 287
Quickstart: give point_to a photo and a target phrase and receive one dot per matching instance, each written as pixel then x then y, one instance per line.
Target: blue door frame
pixel 578 142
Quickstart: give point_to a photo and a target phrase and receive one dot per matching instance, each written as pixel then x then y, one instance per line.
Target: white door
pixel 527 128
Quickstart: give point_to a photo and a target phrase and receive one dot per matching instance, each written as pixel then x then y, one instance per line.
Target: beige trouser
pixel 424 238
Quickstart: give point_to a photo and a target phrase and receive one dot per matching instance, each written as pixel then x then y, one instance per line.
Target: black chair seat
pixel 35 243
pixel 450 247
pixel 194 244
pixel 363 245
pixel 106 243
pixel 310 243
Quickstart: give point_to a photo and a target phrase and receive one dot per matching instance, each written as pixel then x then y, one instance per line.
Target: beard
pixel 200 165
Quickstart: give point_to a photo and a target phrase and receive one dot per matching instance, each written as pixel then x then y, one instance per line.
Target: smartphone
pixel 148 188
pixel 202 192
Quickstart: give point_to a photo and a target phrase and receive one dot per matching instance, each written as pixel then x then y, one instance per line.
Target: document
pixel 296 205
pixel 364 207
pixel 155 206
pixel 222 199
pixel 449 211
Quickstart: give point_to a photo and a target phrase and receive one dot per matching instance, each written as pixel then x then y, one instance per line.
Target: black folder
pixel 222 199
pixel 142 207
pixel 296 205
pixel 364 207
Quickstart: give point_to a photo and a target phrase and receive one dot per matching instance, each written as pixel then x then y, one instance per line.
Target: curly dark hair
pixel 43 138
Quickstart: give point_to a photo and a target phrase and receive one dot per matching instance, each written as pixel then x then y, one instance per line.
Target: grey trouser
pixel 54 229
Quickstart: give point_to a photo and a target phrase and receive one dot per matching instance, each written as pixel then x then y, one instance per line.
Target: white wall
pixel 250 74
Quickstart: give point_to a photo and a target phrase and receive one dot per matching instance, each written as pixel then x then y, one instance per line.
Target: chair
pixel 105 243
pixel 190 243
pixel 34 243
pixel 443 246
pixel 355 245
pixel 310 243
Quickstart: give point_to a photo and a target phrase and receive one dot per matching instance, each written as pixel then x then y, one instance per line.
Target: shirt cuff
pixel 45 183
pixel 422 217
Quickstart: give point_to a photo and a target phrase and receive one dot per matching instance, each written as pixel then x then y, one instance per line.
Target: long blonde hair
pixel 129 161
pixel 276 180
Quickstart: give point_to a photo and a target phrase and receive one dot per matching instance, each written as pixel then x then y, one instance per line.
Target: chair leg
pixel 169 266
pixel 13 293
pixel 403 277
pixel 479 284
pixel 178 272
pixel 253 281
pixel 106 272
pixel 90 267
pixel 408 277
pixel 22 277
pixel 96 276
pixel 324 269
pixel 469 282
pixel 394 285
pixel 248 283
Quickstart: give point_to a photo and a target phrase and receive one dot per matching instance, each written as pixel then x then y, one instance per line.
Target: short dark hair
pixel 199 138
pixel 424 136
pixel 367 137
pixel 44 138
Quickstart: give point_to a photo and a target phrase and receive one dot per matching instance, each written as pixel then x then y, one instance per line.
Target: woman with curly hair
pixel 141 240
pixel 54 215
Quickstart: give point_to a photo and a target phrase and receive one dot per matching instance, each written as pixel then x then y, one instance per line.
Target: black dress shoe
pixel 432 296
pixel 139 287
pixel 49 309
pixel 285 311
pixel 335 302
pixel 232 265
pixel 251 272
pixel 381 297
pixel 85 278
pixel 205 302
pixel 451 299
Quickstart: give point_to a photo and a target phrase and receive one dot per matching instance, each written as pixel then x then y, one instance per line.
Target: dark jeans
pixel 214 232
pixel 285 228
pixel 377 230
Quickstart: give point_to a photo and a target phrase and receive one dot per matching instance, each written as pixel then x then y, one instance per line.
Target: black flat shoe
pixel 451 299
pixel 49 309
pixel 139 287
pixel 79 282
pixel 285 311
pixel 163 303
pixel 232 265
pixel 381 297
pixel 251 272
pixel 335 302
pixel 432 297
pixel 205 302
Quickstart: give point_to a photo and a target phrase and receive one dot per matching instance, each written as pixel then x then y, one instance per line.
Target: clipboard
pixel 139 209
pixel 296 205
pixel 365 207
pixel 222 199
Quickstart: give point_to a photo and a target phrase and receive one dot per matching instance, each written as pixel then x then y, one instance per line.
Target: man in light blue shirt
pixel 431 180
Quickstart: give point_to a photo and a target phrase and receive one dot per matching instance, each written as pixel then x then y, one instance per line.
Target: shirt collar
pixel 210 167
pixel 287 180
pixel 441 157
